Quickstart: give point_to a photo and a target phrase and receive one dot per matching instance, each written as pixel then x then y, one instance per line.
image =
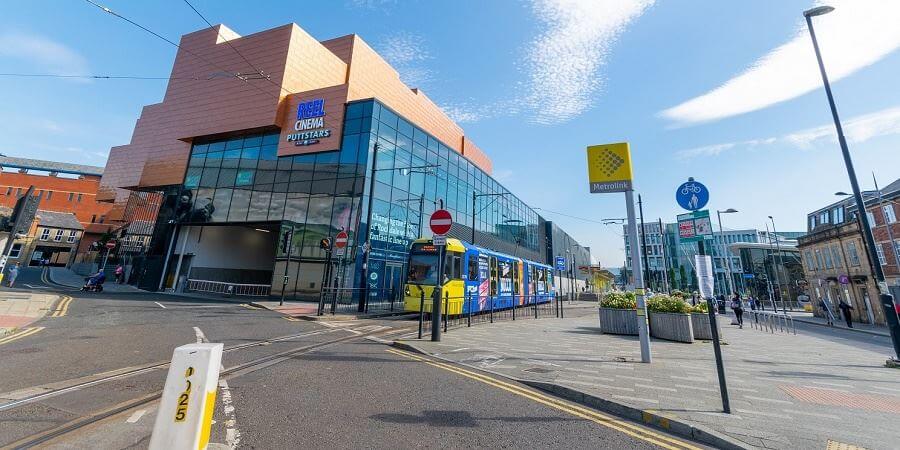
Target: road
pixel 88 379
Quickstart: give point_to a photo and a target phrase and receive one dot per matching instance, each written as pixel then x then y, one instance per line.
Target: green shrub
pixel 678 293
pixel 701 307
pixel 667 304
pixel 619 300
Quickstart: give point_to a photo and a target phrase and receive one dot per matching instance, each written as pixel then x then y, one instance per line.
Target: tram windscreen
pixel 423 262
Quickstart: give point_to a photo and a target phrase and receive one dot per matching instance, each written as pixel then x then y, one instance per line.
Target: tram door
pixel 393 280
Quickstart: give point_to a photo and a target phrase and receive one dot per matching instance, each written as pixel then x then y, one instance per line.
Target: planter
pixel 700 324
pixel 618 321
pixel 671 326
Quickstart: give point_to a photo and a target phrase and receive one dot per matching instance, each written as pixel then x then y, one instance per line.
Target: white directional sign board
pixel 705 276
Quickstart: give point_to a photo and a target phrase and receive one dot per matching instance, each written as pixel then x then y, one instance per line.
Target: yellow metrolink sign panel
pixel 609 168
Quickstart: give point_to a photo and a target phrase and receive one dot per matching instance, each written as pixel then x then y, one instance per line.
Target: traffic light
pixel 325 244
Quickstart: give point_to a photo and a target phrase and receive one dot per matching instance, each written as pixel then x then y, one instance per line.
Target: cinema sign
pixel 310 124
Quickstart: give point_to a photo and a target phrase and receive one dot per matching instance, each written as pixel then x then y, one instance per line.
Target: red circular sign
pixel 110 244
pixel 441 221
pixel 340 241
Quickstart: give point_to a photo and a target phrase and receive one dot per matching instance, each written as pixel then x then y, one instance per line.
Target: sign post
pixel 696 227
pixel 110 244
pixel 440 223
pixel 609 170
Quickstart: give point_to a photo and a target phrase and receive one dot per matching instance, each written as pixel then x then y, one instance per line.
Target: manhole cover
pixel 537 370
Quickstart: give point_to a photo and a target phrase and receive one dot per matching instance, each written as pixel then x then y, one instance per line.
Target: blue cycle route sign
pixel 692 195
pixel 560 263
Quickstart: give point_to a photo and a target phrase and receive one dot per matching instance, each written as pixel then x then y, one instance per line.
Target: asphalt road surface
pixel 88 380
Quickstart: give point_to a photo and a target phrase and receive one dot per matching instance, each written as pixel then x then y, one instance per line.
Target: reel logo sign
pixel 310 124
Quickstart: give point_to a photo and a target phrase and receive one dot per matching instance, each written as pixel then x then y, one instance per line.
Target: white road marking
pixel 824 416
pixel 201 338
pixel 160 305
pixel 763 399
pixel 232 434
pixel 136 416
pixel 36 287
pixel 763 413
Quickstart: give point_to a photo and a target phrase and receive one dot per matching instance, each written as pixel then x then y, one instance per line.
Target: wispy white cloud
pixel 370 4
pixel 857 130
pixel 43 53
pixel 408 53
pixel 857 34
pixel 563 63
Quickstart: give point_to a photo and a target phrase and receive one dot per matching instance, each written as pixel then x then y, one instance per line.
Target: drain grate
pixel 537 370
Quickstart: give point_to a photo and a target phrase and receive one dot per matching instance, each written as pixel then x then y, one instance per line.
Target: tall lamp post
pixel 367 246
pixel 781 258
pixel 725 252
pixel 887 300
pixel 775 270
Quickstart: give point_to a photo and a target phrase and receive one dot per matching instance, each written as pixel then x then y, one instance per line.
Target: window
pixel 888 211
pixel 493 276
pixel 18 191
pixel 45 234
pixel 473 268
pixel 854 255
pixel 49 195
pixel 71 238
pixel 880 251
pixel 827 253
pixel 837 214
pixel 810 261
pixel 9 190
pixel 823 217
pixel 59 235
pixel 71 196
pixel 812 222
pixel 15 251
pixel 79 198
pixel 836 254
pixel 819 261
pixel 871 218
pixel 93 218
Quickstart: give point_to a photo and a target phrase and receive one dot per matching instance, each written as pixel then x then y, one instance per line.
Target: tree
pixel 672 278
pixel 682 279
pixel 694 285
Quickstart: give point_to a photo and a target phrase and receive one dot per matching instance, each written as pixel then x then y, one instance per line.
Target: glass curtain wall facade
pixel 241 181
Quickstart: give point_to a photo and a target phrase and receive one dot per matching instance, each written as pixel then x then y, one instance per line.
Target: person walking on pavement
pixel 828 316
pixel 13 274
pixel 845 310
pixel 738 309
pixel 120 274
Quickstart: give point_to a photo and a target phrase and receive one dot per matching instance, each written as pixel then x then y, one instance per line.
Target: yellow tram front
pixel 422 276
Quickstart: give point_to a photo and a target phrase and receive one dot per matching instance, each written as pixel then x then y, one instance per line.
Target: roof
pixel 49 166
pixel 58 220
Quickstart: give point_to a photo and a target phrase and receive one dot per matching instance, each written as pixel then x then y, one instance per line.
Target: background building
pixel 250 179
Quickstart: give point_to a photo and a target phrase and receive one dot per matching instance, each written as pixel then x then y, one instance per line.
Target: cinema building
pixel 265 144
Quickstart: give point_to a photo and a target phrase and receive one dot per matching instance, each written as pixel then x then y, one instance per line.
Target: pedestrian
pixel 845 310
pixel 738 309
pixel 120 274
pixel 694 298
pixel 13 274
pixel 752 302
pixel 828 316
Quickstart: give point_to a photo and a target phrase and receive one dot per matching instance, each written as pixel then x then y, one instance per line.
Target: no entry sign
pixel 340 241
pixel 440 222
pixel 110 244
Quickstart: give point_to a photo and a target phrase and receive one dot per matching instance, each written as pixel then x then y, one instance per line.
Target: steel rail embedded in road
pixel 231 372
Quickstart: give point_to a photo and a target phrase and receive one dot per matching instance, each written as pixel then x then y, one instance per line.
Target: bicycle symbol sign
pixel 692 195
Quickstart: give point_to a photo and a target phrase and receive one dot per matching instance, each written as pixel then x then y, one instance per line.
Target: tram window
pixel 453 269
pixel 473 268
pixel 515 277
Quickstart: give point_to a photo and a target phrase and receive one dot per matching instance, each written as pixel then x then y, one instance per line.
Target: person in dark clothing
pixel 845 310
pixel 738 309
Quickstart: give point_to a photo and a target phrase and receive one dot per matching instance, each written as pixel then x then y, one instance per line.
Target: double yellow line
pixel 630 429
pixel 20 334
pixel 62 307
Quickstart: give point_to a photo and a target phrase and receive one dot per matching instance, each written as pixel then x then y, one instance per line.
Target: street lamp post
pixel 775 270
pixel 725 251
pixel 367 246
pixel 887 300
pixel 781 258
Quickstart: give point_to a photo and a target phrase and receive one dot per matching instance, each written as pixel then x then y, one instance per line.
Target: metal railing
pixel 221 287
pixel 769 321
pixel 346 300
pixel 531 307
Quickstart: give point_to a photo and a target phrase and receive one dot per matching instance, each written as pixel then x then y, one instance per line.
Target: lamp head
pixel 818 11
pixel 729 211
pixel 841 193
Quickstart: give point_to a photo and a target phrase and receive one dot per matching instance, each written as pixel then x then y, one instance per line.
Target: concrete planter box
pixel 700 324
pixel 618 321
pixel 671 326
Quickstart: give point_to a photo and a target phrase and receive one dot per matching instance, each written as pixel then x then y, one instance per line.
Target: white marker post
pixel 186 408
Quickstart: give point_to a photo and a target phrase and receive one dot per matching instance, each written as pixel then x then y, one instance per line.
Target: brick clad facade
pixel 58 194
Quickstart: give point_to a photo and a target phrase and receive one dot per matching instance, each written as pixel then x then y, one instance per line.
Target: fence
pixel 346 300
pixel 528 309
pixel 237 289
pixel 767 321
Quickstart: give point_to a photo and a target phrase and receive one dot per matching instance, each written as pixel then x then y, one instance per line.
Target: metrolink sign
pixel 310 124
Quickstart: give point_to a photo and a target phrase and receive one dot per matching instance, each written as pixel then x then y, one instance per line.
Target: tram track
pixel 79 384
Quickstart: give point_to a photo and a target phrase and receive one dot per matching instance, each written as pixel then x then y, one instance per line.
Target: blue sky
pixel 726 92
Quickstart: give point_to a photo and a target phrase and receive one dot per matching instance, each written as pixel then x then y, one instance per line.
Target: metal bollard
pixel 492 309
pixel 446 309
pixel 421 312
pixel 515 306
pixel 534 305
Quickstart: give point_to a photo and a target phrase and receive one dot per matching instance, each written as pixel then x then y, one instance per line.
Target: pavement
pixel 20 308
pixel 786 391
pixel 65 277
pixel 839 323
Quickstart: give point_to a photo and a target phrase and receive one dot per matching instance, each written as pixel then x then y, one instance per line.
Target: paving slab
pixel 19 309
pixel 787 391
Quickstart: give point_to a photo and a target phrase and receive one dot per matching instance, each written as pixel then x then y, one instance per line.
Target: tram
pixel 473 276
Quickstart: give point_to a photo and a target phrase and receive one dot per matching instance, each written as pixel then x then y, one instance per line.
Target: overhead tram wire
pixel 572 217
pixel 228 72
pixel 228 42
pixel 94 77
